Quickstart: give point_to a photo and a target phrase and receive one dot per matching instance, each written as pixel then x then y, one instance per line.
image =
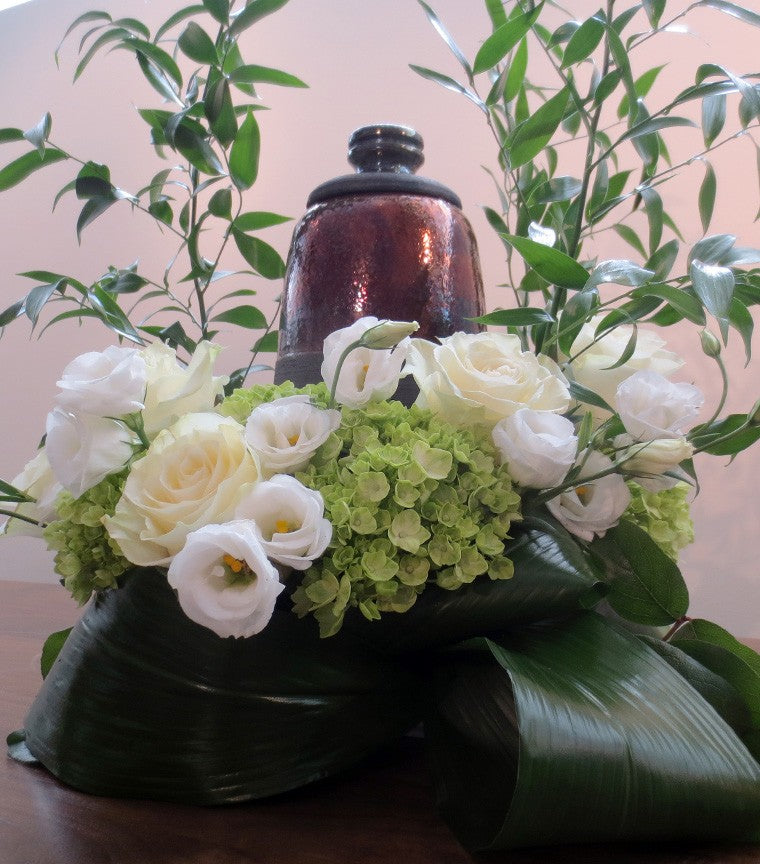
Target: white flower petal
pixel 108 383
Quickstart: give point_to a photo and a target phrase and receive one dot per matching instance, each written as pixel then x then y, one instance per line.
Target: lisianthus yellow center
pixel 583 493
pixel 235 564
pixel 237 572
pixel 282 526
pixel 363 375
pixel 293 439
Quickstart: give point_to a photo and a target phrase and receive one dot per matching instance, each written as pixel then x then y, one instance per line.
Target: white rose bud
pixel 538 447
pixel 108 383
pixel 38 482
pixel 483 377
pixel 224 580
pixel 285 433
pixel 652 407
pixel 649 460
pixel 387 334
pixel 590 508
pixel 367 375
pixel 174 390
pixel 83 450
pixel 289 520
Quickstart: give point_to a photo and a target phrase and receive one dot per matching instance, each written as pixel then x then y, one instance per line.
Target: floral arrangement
pixel 330 566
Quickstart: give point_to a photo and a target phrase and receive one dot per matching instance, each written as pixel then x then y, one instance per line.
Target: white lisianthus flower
pixel 538 447
pixel 285 433
pixel 108 383
pixel 82 449
pixel 175 390
pixel 289 520
pixel 653 458
pixel 192 475
pixel 591 367
pixel 483 377
pixel 590 508
pixel 224 580
pixel 38 482
pixel 652 407
pixel 367 374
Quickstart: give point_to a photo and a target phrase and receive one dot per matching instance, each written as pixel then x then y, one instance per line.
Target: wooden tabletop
pixel 380 812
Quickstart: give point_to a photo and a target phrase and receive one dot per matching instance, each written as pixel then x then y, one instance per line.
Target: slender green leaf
pixel 220 112
pixel 251 74
pixel 18 170
pixel 654 210
pixel 713 117
pixel 740 12
pixel 93 207
pixel 11 134
pixel 584 40
pixel 244 155
pixel 551 264
pixel 82 19
pixel 707 193
pixel 14 311
pixel 631 238
pixel 516 71
pixel 158 80
pixel 535 133
pixel 197 151
pixel 741 320
pixel 267 343
pixel 684 303
pixel 714 285
pixel 642 85
pixel 219 9
pixel 661 262
pixel 220 204
pixel 158 57
pixel 255 220
pixel 524 317
pixel 244 316
pixel 177 18
pixel 620 56
pixel 504 39
pixel 726 437
pixel 587 396
pixel 447 38
pixel 260 255
pixel 196 44
pixel 619 272
pixel 254 11
pixel 450 84
pixel 496 13
pixel 607 86
pixel 51 649
pixel 654 10
pixel 38 297
pixel 557 189
pixel 575 313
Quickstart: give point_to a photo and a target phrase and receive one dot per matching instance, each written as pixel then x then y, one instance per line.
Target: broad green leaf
pixel 14 311
pixel 575 313
pixel 741 320
pixel 557 189
pixel 162 211
pixel 661 263
pixel 255 220
pixel 38 297
pixel 220 204
pixel 713 249
pixel 250 74
pixel 734 10
pixel 94 181
pixel 158 57
pixel 125 282
pixel 260 255
pixel 254 11
pixel 516 71
pixel 244 154
pixel 684 303
pixel 646 586
pixel 643 84
pixel 220 112
pixel 504 39
pixel 39 134
pixel 726 437
pixel 11 134
pixel 496 13
pixel 219 9
pixel 713 117
pixel 631 238
pixel 94 206
pixel 607 86
pixel 524 317
pixel 244 316
pixel 580 733
pixel 654 10
pixel 267 344
pixel 714 285
pixel 158 80
pixel 551 264
pixel 197 151
pixel 707 196
pixel 18 170
pixel 196 44
pixel 535 133
pixel 584 40
pixel 51 649
pixel 450 84
pixel 619 272
pixel 447 38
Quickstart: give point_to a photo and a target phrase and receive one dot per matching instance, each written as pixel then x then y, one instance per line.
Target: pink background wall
pixel 354 55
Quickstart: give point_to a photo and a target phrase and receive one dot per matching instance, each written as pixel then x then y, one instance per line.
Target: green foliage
pixel 212 144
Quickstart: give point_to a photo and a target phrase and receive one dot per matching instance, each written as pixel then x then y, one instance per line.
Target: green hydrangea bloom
pixel 663 515
pixel 87 559
pixel 411 500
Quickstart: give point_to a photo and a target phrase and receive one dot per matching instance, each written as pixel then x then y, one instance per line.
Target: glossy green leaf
pixel 684 303
pixel 713 117
pixel 114 34
pixel 726 437
pixel 584 40
pixel 450 84
pixel 447 38
pixel 267 343
pixel 551 264
pixel 14 311
pixel 11 134
pixel 244 316
pixel 219 9
pixel 220 112
pixel 220 204
pixel 607 86
pixel 112 315
pixel 713 249
pixel 534 741
pixel 196 44
pixel 618 271
pixel 496 47
pixel 655 215
pixel 257 219
pixel 197 151
pixel 557 189
pixel 177 18
pixel 158 57
pixel 82 19
pixel 631 238
pixel 733 9
pixel 524 317
pixel 260 255
pixel 707 192
pixel 535 133
pixel 654 10
pixel 620 56
pixel 661 262
pixel 18 170
pixel 496 13
pixel 588 397
pixel 741 319
pixel 714 285
pixel 38 297
pixel 575 313
pixel 162 211
pixel 251 74
pixel 158 80
pixel 516 71
pixel 51 649
pixel 244 155
pixel 642 85
pixel 254 11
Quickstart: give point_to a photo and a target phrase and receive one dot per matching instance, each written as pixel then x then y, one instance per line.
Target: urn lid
pixel 385 157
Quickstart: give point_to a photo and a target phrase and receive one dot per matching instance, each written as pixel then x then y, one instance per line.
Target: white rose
pixel 653 458
pixel 108 383
pixel 367 374
pixel 190 476
pixel 289 520
pixel 285 433
pixel 37 481
pixel 483 377
pixel 83 450
pixel 539 447
pixel 652 407
pixel 590 508
pixel 224 580
pixel 591 367
pixel 175 390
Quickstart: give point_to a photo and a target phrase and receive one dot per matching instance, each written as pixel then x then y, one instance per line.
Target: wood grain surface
pixel 382 811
